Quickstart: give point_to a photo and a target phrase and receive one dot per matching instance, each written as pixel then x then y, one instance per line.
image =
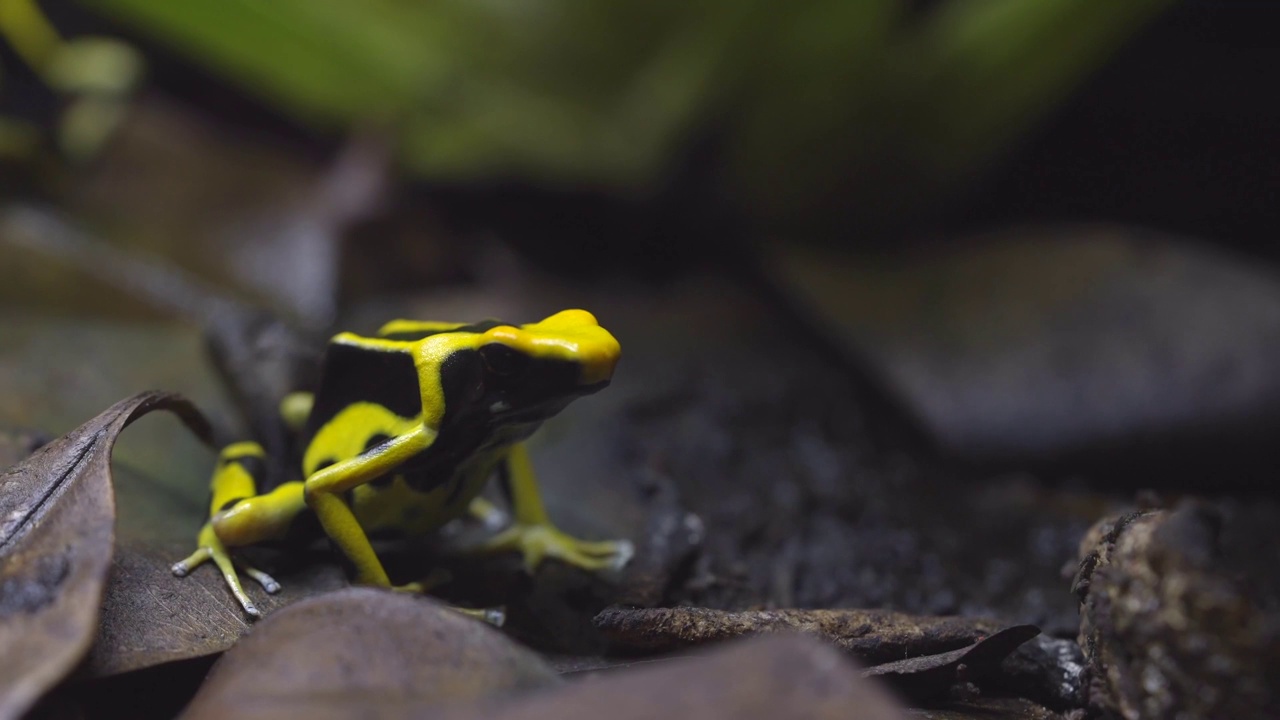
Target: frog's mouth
pixel 592 388
pixel 519 412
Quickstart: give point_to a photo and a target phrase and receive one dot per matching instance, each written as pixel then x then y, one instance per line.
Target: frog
pixel 401 435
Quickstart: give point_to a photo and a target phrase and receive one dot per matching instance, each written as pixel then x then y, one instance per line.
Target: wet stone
pixel 1048 670
pixel 1098 345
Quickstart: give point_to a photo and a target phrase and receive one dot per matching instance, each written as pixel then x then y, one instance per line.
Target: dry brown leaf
pixel 57 516
pixel 149 617
pixel 362 652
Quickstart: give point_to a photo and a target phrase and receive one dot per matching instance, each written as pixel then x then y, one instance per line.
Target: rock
pixel 1047 670
pixel 365 653
pixel 921 679
pixel 770 677
pixel 1096 344
pixel 1179 613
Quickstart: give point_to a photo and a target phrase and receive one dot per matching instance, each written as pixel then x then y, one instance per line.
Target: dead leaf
pixel 150 617
pixel 872 635
pixel 160 476
pixel 783 676
pixel 923 677
pixel 57 516
pixel 361 652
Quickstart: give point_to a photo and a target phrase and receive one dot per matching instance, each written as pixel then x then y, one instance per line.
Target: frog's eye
pixel 502 360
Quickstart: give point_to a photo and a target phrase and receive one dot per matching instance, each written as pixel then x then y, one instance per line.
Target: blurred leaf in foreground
pixel 95 75
pixel 363 652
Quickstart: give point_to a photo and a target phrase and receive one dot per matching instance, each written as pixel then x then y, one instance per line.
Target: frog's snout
pixel 571 336
pixel 598 360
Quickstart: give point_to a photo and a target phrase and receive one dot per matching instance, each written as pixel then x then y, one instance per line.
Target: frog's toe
pixel 490 516
pixel 592 561
pixel 211 548
pixel 592 555
pixel 267 582
pixel 621 551
pixel 539 542
pixel 495 616
pixel 183 567
pixel 436 578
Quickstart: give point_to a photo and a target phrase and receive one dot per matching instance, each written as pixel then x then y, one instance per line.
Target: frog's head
pixel 527 373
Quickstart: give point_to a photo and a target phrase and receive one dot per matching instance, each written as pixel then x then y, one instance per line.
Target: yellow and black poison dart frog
pixel 403 433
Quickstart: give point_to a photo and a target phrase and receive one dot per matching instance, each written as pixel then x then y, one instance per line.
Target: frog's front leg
pixel 532 532
pixel 239 516
pixel 325 488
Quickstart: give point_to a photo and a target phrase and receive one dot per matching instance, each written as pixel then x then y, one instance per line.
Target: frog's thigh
pixel 261 517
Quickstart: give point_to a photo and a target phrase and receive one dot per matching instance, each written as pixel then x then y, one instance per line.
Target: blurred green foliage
pixel 93 75
pixel 812 103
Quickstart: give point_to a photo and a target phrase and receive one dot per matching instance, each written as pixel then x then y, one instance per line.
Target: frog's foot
pixel 212 549
pixel 493 616
pixel 489 515
pixel 436 578
pixel 541 541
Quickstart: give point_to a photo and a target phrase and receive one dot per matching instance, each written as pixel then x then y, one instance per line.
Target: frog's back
pixel 369 394
pixel 356 371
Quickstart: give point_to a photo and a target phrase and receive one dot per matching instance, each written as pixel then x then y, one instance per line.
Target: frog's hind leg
pixel 535 537
pixel 238 516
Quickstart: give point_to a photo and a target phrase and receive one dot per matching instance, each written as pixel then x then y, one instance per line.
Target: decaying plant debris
pixel 1179 612
pixel 873 636
pixel 876 637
